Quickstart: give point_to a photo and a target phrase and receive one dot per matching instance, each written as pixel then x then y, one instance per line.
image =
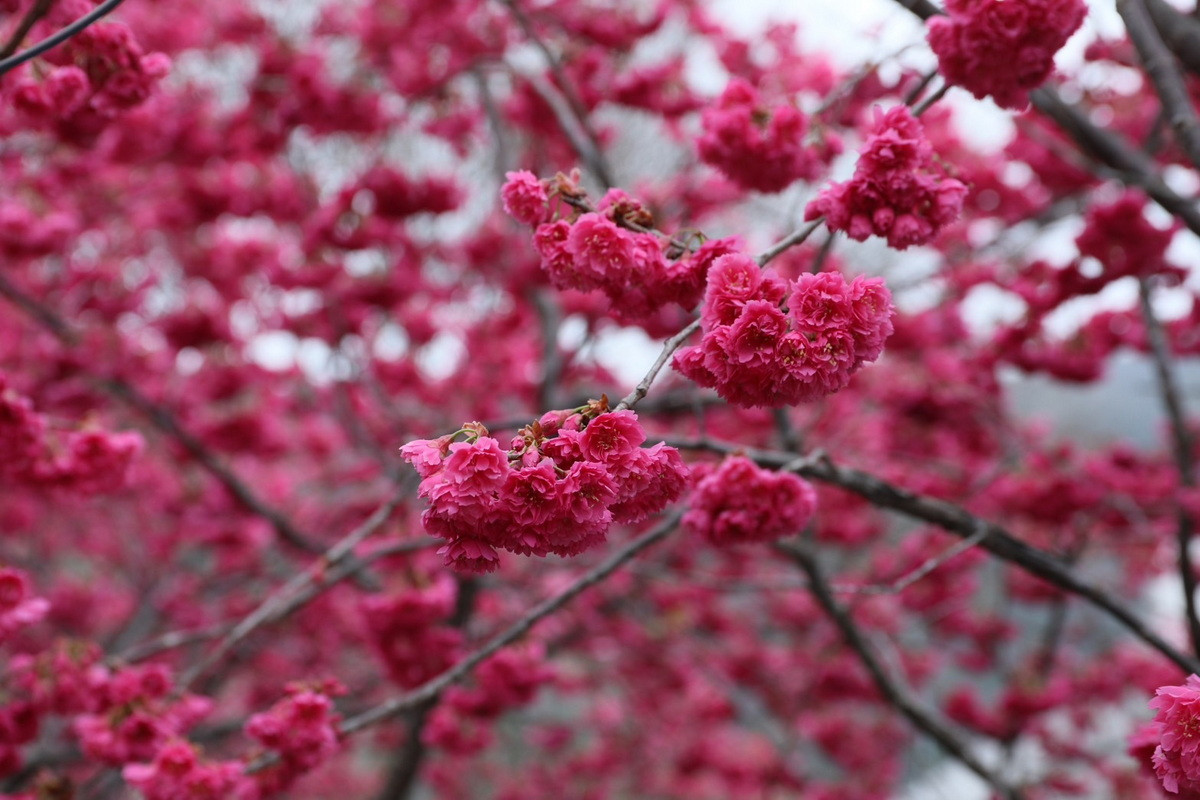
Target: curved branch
pixel 166 422
pixel 894 692
pixel 957 520
pixel 49 43
pixel 1168 83
pixel 432 688
pixel 1181 443
pixel 1109 149
pixel 281 600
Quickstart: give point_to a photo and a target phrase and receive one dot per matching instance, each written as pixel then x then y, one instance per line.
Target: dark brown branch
pixel 587 145
pixel 1107 148
pixel 955 519
pixel 894 692
pixel 282 601
pixel 402 778
pixel 166 422
pixel 16 60
pixel 36 12
pixel 1168 83
pixel 1180 32
pixel 1181 446
pixel 549 320
pixel 432 688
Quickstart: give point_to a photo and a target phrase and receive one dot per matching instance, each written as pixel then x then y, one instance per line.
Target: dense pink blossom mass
pixel 758 147
pixel 1002 48
pixel 741 502
pixel 771 342
pixel 561 484
pixel 898 192
pixel 598 399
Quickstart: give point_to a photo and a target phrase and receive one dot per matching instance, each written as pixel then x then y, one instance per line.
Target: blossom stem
pixel 669 347
pixel 791 240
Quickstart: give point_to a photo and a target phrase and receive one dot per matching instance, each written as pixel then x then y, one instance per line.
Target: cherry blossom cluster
pixel 739 502
pixel 85 460
pixel 95 76
pixel 301 729
pixel 178 772
pixel 410 632
pixel 759 147
pixel 564 481
pixel 18 607
pixel 1002 49
pixel 134 714
pixel 1176 734
pixel 117 715
pixel 610 249
pixel 25 233
pixel 771 342
pixel 1118 235
pixel 898 191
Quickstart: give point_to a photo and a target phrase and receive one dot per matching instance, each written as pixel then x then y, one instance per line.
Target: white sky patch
pixel 627 352
pixel 987 307
pixel 440 358
pixel 274 350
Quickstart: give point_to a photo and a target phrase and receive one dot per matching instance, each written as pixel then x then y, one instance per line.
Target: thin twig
pixel 894 692
pixel 279 600
pixel 36 12
pixel 1181 445
pixel 1106 147
pixel 914 93
pixel 669 347
pixel 567 107
pixel 432 688
pixel 920 571
pixel 173 639
pixel 928 102
pixel 14 61
pixel 789 241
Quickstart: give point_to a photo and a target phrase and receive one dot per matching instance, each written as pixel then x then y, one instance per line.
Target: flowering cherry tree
pixel 319 476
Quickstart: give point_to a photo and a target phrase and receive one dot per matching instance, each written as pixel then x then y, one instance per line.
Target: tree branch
pixel 432 688
pixel 567 107
pixel 1129 164
pixel 1179 31
pixel 35 13
pixel 1181 445
pixel 955 519
pixel 894 692
pixel 791 240
pixel 1168 83
pixel 669 347
pixel 164 421
pixel 14 61
pixel 274 606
